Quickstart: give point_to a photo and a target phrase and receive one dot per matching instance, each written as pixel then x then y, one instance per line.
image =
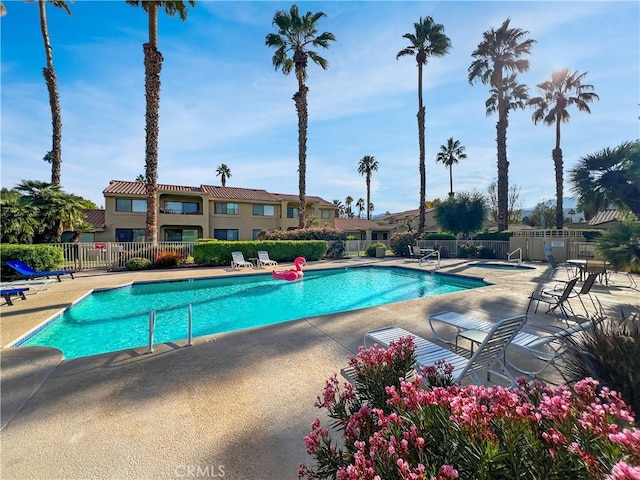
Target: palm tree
pixel 450 154
pixel 499 53
pixel 339 207
pixel 360 205
pixel 152 68
pixel 140 178
pixel 347 203
pixel 56 210
pixel 367 165
pixel 295 34
pixel 370 209
pixel 50 78
pixel 610 176
pixel 428 40
pixel 561 91
pixel 224 172
pixel 18 219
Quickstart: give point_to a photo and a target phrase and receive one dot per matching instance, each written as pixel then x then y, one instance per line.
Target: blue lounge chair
pixel 25 271
pixel 7 293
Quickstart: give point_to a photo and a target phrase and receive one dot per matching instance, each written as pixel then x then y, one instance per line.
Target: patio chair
pixel 25 271
pixel 572 270
pixel 238 261
pixel 7 293
pixel 264 260
pixel 37 285
pixel 545 349
pixel 583 292
pixel 560 302
pixel 486 360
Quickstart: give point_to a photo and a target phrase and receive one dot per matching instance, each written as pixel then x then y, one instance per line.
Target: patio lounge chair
pixel 264 260
pixel 487 358
pixel 583 292
pixel 36 285
pixel 238 261
pixel 561 301
pixel 25 271
pixel 545 349
pixel 7 293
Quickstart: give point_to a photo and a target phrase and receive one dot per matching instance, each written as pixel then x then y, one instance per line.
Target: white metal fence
pixel 114 255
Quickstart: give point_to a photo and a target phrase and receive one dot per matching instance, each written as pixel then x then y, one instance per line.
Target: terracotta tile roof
pixel 95 218
pixel 604 216
pixel 234 193
pixel 310 199
pixel 359 224
pixel 123 187
pixel 408 214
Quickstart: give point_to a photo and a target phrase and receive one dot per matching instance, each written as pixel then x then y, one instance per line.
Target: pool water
pixel 118 319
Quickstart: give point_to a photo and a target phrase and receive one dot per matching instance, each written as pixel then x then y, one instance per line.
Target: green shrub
pixel 439 236
pixel 486 252
pixel 400 243
pixel 167 260
pixel 137 263
pixel 371 251
pixel 39 257
pixel 304 234
pixel 218 252
pixel 610 353
pixel 467 250
pixel 496 236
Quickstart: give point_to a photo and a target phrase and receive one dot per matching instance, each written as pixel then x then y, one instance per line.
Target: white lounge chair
pixel 35 286
pixel 486 360
pixel 545 349
pixel 238 261
pixel 264 260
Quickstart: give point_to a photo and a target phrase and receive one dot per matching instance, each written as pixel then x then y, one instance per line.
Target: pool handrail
pixel 429 256
pixel 519 251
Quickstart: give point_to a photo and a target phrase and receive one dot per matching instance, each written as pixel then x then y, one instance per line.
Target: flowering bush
pixel 167 260
pixel 447 431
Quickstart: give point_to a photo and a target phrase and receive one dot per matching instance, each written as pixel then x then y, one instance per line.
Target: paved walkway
pixel 234 405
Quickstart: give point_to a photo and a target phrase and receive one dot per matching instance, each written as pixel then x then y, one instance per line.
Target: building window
pixel 292 212
pixel 325 214
pixel 255 232
pixel 225 234
pixel 380 236
pixel 226 208
pixel 264 210
pixel 131 205
pixel 185 208
pixel 130 234
pixel 186 235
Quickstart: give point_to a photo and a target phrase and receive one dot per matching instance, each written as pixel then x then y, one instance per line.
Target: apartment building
pixel 187 213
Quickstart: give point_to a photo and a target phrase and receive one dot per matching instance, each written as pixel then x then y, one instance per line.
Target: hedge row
pixel 323 233
pixel 218 252
pixel 39 257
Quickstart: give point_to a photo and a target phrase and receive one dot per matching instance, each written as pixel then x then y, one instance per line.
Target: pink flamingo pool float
pixel 293 273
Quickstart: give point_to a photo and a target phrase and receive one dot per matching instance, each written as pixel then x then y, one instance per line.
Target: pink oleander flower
pixel 624 471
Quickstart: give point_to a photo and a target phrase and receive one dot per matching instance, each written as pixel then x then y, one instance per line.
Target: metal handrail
pixel 152 328
pixel 428 256
pixel 518 250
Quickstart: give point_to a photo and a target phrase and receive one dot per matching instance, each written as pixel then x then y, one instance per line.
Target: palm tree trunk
pixel 51 80
pixel 152 68
pixel 451 181
pixel 503 172
pixel 557 162
pixel 300 99
pixel 368 195
pixel 421 142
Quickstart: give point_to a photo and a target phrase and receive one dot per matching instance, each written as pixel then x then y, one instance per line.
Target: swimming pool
pixel 117 319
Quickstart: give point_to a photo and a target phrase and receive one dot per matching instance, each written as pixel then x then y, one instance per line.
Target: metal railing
pixel 114 255
pixel 152 328
pixel 519 252
pixel 427 258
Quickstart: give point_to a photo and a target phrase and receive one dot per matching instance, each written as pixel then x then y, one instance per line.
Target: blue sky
pixel 223 102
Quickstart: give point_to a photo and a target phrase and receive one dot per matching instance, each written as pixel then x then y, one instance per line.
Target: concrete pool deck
pixel 234 405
